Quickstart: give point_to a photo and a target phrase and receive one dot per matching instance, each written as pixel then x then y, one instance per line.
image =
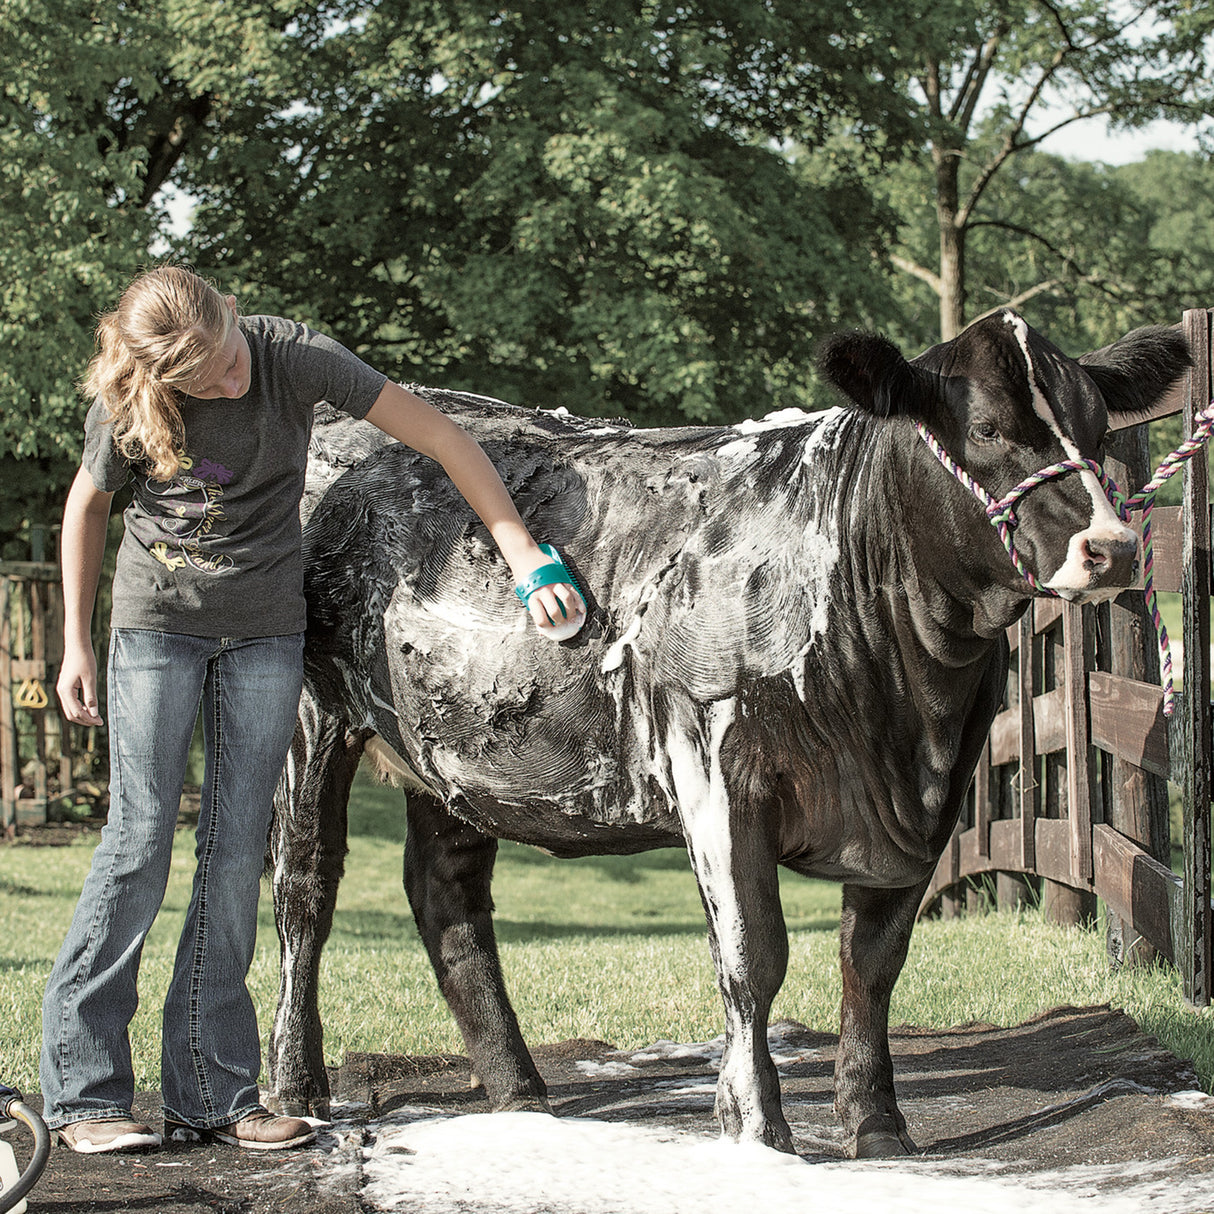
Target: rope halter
pixel 1001 513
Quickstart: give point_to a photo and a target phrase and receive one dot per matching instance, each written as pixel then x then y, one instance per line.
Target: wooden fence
pixel 37 758
pixel 1072 788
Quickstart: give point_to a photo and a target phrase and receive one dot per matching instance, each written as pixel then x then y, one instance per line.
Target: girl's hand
pixel 77 687
pixel 557 608
pixel 557 604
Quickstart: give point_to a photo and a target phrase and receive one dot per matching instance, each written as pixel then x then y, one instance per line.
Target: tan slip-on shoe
pixel 259 1131
pixel 109 1134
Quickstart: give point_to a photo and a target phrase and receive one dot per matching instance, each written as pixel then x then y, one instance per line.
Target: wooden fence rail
pixel 1071 787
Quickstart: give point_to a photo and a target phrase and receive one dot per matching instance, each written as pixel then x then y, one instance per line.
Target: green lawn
pixel 611 948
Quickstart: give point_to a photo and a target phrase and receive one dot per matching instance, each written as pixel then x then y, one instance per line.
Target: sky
pixel 1092 139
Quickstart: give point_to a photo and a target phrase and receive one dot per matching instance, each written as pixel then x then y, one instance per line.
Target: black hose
pixel 11 1105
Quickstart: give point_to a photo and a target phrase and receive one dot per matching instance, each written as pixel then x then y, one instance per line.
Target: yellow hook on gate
pixel 31 694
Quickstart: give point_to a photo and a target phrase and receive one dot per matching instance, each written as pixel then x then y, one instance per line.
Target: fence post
pixel 1135 801
pixel 8 740
pixel 1195 961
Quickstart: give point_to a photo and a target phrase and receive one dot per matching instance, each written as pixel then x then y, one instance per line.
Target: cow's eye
pixel 985 432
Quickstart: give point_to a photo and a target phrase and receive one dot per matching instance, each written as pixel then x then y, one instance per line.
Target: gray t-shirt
pixel 216 550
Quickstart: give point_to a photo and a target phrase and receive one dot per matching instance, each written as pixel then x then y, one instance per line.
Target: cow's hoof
pixel 777 1135
pixel 774 1133
pixel 880 1137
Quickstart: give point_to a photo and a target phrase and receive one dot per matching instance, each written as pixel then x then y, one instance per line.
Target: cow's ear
pixel 871 372
pixel 1141 377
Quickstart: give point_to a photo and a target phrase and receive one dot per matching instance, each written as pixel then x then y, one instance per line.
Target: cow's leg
pixel 307 854
pixel 448 870
pixel 750 951
pixel 874 936
pixel 734 861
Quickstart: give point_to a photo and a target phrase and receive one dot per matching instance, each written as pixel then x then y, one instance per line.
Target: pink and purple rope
pixel 1001 513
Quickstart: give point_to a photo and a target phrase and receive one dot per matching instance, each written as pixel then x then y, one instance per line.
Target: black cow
pixel 794 652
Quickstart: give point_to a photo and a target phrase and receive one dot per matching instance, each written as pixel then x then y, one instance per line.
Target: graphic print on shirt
pixel 182 513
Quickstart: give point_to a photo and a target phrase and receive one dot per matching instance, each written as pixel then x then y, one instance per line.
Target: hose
pixel 11 1105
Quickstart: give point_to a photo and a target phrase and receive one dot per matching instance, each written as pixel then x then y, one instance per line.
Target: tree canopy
pixel 641 208
pixel 992 79
pixel 99 99
pixel 586 205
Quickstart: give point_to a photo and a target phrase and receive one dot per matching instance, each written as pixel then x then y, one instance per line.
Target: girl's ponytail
pixel 168 324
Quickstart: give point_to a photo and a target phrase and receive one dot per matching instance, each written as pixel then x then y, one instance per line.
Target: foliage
pixel 581 203
pixel 642 208
pixel 588 207
pixel 98 101
pixel 982 74
pixel 69 230
pixel 1086 251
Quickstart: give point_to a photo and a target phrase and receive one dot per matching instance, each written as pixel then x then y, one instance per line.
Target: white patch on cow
pixel 819 555
pixel 284 1031
pixel 1073 576
pixel 391 768
pixel 773 421
pixel 1073 573
pixel 613 659
pixel 360 694
pixel 464 614
pixel 476 399
pixel 699 787
pixel 826 435
pixel 742 448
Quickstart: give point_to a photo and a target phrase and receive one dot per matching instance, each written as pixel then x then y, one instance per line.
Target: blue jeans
pixel 211 1055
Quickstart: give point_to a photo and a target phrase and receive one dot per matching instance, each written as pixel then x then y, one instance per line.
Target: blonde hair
pixel 167 325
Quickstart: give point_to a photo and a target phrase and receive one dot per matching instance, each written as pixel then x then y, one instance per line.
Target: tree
pixel 1087 251
pixel 367 164
pixel 982 74
pixel 99 101
pixel 586 204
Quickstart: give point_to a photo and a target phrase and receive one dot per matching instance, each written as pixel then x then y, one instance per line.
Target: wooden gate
pixel 1071 786
pixel 36 743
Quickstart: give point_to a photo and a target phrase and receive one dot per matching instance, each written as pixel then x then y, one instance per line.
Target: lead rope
pixel 1002 515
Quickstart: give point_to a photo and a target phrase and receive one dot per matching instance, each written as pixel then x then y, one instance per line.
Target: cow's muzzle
pixel 1111 561
pixel 1101 561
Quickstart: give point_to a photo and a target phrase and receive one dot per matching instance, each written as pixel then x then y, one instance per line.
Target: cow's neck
pixel 917 649
pixel 935 549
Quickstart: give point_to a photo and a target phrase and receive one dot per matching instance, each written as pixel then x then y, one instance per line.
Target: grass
pixel 610 948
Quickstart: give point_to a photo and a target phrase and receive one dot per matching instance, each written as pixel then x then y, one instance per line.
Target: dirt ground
pixel 1075 1086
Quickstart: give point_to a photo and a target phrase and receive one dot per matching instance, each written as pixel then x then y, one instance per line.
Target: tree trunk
pixel 952 244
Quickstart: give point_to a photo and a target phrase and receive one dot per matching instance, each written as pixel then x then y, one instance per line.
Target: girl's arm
pixel 410 419
pixel 85 519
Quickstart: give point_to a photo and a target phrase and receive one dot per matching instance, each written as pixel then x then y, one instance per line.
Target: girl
pixel 209 413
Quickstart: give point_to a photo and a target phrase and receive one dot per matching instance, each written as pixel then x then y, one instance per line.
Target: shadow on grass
pixel 628 870
pixel 520 932
pixel 12 964
pixel 377 811
pixel 383 926
pixel 24 891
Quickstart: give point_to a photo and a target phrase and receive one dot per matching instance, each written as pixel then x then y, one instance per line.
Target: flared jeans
pixel 248 690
